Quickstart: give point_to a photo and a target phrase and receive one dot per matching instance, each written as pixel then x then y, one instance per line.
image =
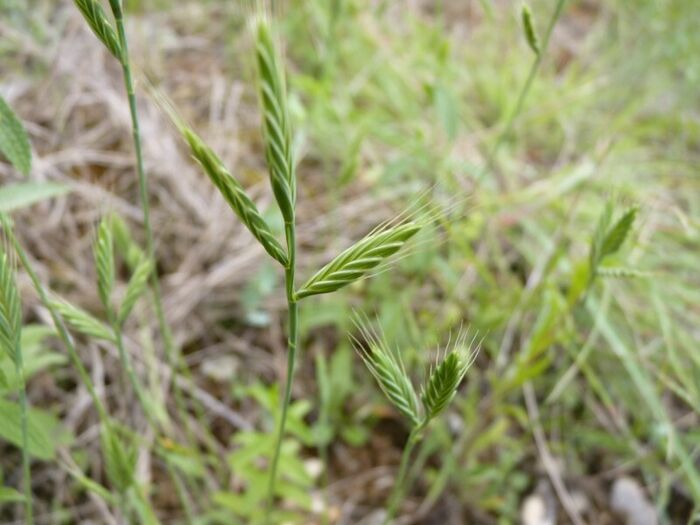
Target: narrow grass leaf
pixel 81 321
pixel 621 272
pixel 276 126
pixel 14 142
pixel 136 287
pixel 10 495
pixel 234 194
pixel 14 196
pixel 357 260
pixel 120 459
pixel 97 20
pixel 601 231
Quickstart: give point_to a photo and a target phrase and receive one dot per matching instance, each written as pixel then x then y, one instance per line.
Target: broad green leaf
pixel 14 142
pixel 42 429
pixel 36 356
pixel 10 495
pixel 14 196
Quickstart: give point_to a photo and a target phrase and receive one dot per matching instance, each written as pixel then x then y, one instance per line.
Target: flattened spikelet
pixel 618 233
pixel 97 20
pixel 137 285
pixel 276 126
pixel 10 308
pixel 446 377
pixel 357 260
pixel 81 321
pixel 234 194
pixel 104 261
pixel 529 28
pixel 387 368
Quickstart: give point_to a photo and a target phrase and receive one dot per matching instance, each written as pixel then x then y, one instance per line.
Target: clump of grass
pixel 10 343
pixel 117 450
pixel 351 265
pixel 386 365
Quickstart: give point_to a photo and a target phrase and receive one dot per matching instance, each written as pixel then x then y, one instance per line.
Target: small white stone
pixel 627 498
pixel 313 467
pixel 534 511
pixel 221 369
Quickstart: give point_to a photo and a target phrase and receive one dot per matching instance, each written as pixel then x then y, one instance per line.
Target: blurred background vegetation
pixel 584 389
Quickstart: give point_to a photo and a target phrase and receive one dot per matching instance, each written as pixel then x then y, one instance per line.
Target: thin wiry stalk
pixel 170 347
pixel 292 343
pixel 399 488
pixel 26 468
pixel 534 68
pixel 281 166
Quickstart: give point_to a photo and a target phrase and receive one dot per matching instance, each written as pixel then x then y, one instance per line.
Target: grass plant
pixel 10 343
pixel 386 366
pixel 351 265
pixel 589 364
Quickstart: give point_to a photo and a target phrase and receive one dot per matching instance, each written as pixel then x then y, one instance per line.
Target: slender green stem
pixel 171 349
pixel 131 374
pixel 163 326
pixel 399 489
pixel 24 414
pixel 292 342
pixel 534 68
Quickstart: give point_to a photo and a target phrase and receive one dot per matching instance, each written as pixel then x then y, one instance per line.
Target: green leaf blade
pixel 14 196
pixel 14 142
